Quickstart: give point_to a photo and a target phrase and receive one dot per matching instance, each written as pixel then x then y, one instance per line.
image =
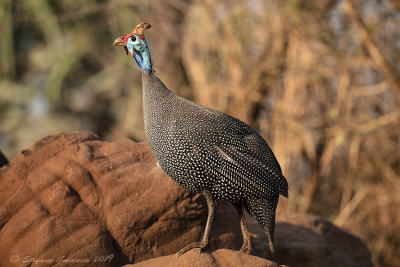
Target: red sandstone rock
pixel 218 258
pixel 300 240
pixel 308 240
pixel 72 198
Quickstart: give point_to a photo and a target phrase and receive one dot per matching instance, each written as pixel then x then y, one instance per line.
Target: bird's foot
pixel 246 247
pixel 200 245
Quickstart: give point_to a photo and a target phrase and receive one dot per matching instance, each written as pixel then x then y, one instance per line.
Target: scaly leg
pixel 204 241
pixel 271 245
pixel 246 247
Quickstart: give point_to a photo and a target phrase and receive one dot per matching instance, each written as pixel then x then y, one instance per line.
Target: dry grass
pixel 318 79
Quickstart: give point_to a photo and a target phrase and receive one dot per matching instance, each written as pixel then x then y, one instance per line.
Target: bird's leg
pixel 246 247
pixel 204 241
pixel 271 245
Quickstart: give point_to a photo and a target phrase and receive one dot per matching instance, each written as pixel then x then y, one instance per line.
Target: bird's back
pixel 204 148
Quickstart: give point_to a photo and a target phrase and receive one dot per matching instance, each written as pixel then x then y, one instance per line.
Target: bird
pixel 207 151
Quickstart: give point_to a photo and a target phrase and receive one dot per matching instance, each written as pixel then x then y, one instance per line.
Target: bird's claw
pixel 200 245
pixel 254 236
pixel 246 248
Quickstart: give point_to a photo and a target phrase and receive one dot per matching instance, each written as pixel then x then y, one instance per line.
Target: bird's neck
pixel 154 90
pixel 157 98
pixel 158 104
pixel 146 62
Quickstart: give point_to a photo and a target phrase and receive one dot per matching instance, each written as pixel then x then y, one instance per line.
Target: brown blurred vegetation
pixel 318 79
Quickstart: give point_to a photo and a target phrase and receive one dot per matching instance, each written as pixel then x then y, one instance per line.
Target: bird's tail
pixel 263 211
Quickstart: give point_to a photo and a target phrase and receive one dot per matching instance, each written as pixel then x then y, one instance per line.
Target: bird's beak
pixel 121 41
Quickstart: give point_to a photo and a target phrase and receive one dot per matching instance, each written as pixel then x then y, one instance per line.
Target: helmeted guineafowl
pixel 208 151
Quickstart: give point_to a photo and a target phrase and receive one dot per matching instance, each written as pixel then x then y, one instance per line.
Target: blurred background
pixel 320 80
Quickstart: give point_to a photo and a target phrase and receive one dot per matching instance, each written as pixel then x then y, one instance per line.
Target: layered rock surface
pixel 74 199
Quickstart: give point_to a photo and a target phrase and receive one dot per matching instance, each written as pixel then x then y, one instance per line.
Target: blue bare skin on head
pixel 139 49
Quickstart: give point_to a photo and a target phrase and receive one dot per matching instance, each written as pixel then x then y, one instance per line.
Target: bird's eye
pixel 133 38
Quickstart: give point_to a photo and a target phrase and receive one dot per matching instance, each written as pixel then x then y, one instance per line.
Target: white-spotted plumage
pixel 206 150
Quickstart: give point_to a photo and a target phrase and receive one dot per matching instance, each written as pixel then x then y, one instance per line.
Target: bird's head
pixel 135 44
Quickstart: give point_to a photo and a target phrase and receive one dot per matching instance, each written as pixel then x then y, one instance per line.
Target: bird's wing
pixel 259 149
pixel 258 165
pixel 244 158
pixel 257 146
pixel 250 175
